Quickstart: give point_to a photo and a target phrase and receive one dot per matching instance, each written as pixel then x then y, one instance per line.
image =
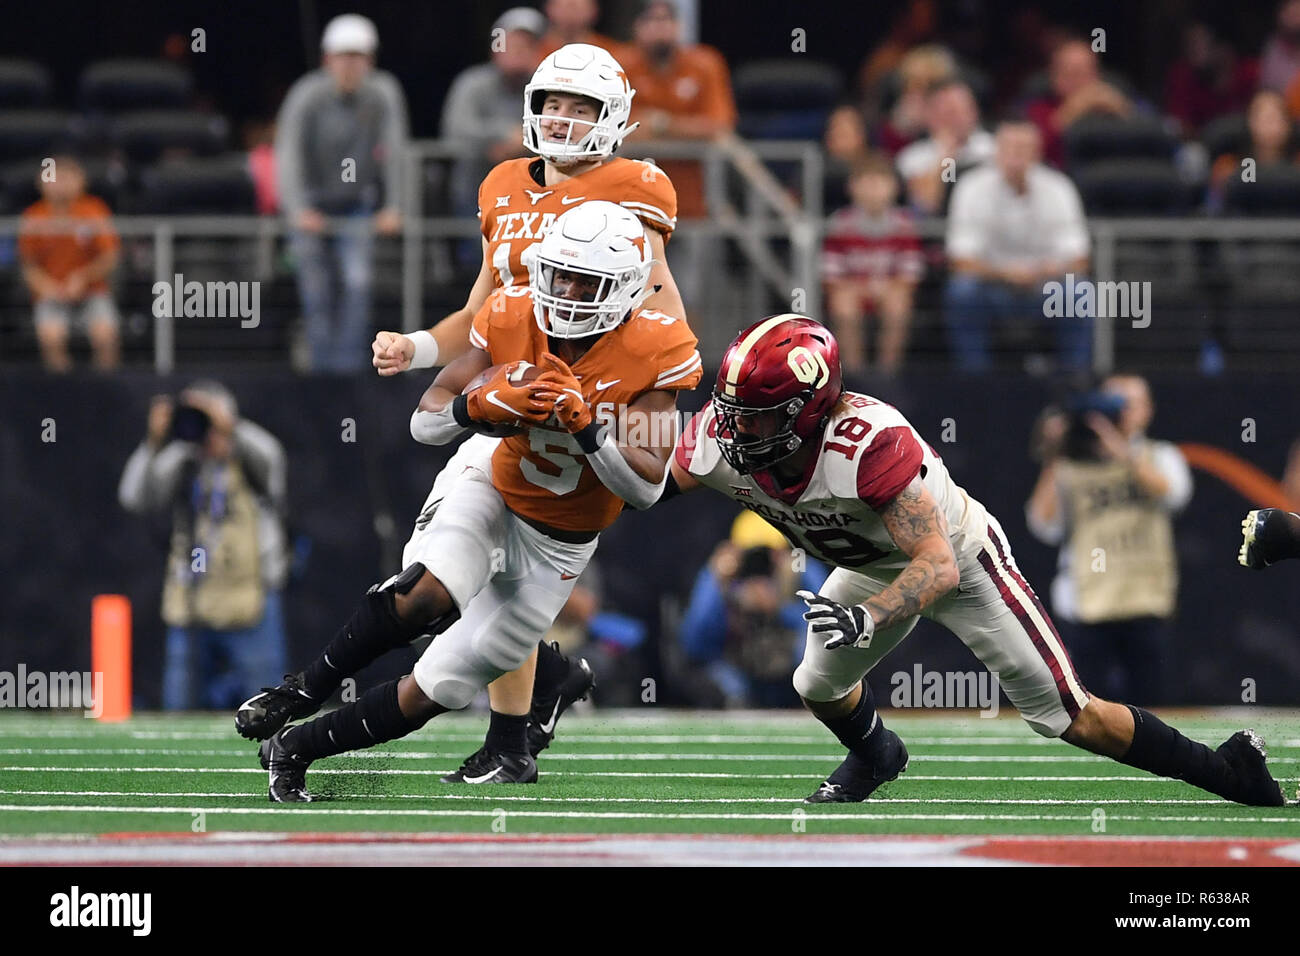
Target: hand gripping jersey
pixel 868 454
pixel 542 474
pixel 515 211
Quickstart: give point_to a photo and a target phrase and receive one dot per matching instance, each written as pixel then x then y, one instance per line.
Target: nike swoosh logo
pixel 549 726
pixel 492 397
pixel 600 384
pixel 566 201
pixel 567 577
pixel 485 777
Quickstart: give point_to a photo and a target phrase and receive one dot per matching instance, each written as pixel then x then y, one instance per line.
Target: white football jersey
pixel 869 453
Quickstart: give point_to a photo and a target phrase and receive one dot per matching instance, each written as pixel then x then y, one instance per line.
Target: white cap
pixel 349 33
pixel 522 18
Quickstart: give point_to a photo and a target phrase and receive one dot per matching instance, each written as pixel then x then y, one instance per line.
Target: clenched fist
pixel 393 353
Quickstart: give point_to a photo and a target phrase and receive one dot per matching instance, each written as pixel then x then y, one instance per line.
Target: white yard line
pixel 490 798
pixel 1136 776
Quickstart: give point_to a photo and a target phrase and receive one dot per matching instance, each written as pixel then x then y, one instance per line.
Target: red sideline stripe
pixel 1035 635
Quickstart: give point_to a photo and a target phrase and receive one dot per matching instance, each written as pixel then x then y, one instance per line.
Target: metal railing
pixel 776 224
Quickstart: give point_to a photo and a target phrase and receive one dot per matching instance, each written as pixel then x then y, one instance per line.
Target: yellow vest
pixel 214 574
pixel 1121 543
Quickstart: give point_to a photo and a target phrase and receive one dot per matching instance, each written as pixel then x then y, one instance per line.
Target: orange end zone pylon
pixel 110 654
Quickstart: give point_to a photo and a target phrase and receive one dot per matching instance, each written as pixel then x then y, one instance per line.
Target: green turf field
pixel 622 772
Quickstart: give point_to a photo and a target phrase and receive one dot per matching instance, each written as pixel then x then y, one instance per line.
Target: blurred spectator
pixel 1107 495
pixel 955 142
pixel 1280 62
pixel 484 108
pixel 912 26
pixel 1208 80
pixel 571 21
pixel 846 145
pixel 1271 142
pixel 742 632
pixel 1291 476
pixel 1012 225
pixel 918 71
pixel 259 140
pixel 611 642
pixel 222 478
pixel 1077 89
pixel 339 151
pixel 871 261
pixel 68 249
pixel 682 92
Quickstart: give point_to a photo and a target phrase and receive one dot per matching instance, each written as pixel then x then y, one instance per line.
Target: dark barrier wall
pixel 64 537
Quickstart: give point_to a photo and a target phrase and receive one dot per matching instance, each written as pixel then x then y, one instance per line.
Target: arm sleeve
pixel 652 196
pixel 704 624
pixel 149 479
pixel 1171 463
pixel 720 104
pixel 888 465
pixel 289 131
pixel 395 136
pixel 1072 240
pixel 967 233
pixel 264 457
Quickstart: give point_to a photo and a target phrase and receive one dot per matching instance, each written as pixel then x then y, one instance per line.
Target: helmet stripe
pixel 742 350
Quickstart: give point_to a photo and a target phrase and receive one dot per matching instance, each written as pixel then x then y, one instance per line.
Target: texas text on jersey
pixel 869 453
pixel 516 209
pixel 542 474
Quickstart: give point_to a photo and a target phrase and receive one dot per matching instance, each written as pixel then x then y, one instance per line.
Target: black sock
pixel 373 719
pixel 507 734
pixel 857 730
pixel 1281 537
pixel 1160 749
pixel 552 668
pixel 370 633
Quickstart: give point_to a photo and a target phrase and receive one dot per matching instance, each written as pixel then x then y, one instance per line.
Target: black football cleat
pixel 486 766
pixel 263 715
pixel 549 703
pixel 288 782
pixel 1268 535
pixel 1245 753
pixel 857 778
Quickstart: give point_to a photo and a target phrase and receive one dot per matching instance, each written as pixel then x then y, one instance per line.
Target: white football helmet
pixel 585 70
pixel 601 247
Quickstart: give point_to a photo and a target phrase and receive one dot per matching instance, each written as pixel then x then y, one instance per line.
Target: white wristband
pixel 426 349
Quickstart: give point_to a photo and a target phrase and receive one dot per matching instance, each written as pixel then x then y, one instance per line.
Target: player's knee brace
pixel 415 626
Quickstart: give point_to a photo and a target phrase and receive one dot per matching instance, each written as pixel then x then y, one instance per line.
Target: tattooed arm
pixel 920 529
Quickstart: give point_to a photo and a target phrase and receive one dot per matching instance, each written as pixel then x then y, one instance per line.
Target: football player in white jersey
pixel 846 478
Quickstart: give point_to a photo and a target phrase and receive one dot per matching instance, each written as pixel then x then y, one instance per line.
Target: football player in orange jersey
pixel 576 112
pixel 497 561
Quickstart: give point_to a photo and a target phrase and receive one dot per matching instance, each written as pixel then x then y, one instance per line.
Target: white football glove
pixel 842 626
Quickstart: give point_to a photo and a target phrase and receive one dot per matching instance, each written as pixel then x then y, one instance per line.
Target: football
pixel 521 372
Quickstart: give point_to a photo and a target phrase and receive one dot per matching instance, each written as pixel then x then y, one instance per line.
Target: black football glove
pixel 842 626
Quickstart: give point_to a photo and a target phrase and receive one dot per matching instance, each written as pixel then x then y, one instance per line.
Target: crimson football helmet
pixel 779 380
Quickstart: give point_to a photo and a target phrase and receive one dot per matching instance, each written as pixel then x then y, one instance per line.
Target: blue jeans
pixel 338 332
pixel 971 304
pixel 217 670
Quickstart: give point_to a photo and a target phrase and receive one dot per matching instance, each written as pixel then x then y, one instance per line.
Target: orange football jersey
pixel 514 211
pixel 543 474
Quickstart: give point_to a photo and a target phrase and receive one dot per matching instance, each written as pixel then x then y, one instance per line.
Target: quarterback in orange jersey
pixel 576 111
pixel 497 560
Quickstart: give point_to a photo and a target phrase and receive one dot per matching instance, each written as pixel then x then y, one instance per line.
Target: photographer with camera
pixel 223 479
pixel 742 634
pixel 1107 495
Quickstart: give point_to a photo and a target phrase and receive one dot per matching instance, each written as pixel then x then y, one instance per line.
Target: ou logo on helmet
pixel 808 366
